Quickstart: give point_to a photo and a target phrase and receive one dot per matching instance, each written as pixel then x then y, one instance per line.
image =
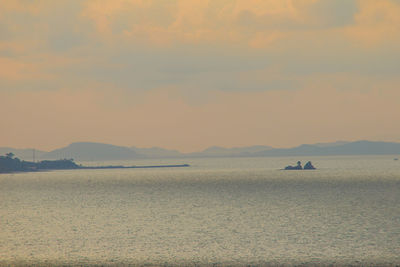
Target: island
pixel 297 167
pixel 308 166
pixel 9 164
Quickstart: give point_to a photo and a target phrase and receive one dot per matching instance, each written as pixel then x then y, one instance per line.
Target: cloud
pixel 197 46
pixel 65 25
pixel 172 21
pixel 376 23
pixel 15 71
pixel 333 13
pixel 255 23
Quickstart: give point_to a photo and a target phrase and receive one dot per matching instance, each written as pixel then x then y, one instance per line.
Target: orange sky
pixel 190 74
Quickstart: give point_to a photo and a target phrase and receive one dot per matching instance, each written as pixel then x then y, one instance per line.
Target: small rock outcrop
pixel 297 167
pixel 309 166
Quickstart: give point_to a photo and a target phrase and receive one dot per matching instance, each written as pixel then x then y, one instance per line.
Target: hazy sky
pixel 188 74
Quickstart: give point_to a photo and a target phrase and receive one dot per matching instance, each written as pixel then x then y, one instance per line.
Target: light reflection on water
pixel 218 211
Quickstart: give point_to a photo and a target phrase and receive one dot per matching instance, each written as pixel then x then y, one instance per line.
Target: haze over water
pixel 187 75
pixel 218 211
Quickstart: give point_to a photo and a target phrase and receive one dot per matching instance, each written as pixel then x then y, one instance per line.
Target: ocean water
pixel 240 211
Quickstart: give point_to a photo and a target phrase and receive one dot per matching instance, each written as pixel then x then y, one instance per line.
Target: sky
pixel 189 74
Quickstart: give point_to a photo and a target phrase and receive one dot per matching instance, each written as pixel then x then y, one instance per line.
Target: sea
pixel 217 212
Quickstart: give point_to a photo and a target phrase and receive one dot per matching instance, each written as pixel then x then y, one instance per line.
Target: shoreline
pixel 102 168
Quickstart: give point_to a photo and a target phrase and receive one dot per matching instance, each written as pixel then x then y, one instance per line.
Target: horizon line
pixel 197 151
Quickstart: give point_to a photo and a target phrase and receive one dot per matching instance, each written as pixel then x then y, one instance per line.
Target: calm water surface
pixel 218 211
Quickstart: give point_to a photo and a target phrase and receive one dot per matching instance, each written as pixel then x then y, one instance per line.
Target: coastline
pixel 11 164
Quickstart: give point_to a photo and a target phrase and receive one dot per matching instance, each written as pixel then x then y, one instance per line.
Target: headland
pixel 9 164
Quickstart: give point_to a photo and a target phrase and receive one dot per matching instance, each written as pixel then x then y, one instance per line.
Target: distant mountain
pixel 157 152
pixel 351 148
pixel 216 151
pixel 337 143
pixel 86 151
pixel 102 152
pixel 23 154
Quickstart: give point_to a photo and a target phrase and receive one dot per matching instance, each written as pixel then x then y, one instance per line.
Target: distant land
pixel 9 164
pixel 88 151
